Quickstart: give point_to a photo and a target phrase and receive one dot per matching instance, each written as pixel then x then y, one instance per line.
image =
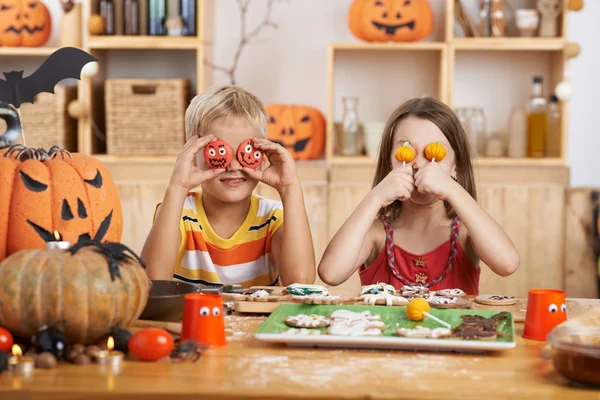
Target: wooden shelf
pixel 27 51
pixel 503 44
pixel 481 161
pixel 352 160
pixel 144 42
pixel 412 46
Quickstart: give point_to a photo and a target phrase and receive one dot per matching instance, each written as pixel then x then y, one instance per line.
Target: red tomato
pixel 6 341
pixel 151 344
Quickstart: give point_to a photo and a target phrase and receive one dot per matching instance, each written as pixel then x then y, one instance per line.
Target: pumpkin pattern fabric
pixel 300 129
pixel 390 20
pixel 25 23
pixel 75 292
pixel 71 194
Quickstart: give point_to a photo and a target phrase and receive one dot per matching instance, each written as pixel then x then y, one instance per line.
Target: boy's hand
pixel 397 185
pixel 187 175
pixel 281 172
pixel 433 180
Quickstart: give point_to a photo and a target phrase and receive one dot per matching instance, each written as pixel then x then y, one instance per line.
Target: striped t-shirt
pixel 245 258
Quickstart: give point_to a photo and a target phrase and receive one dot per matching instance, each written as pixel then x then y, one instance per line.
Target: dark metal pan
pixel 165 301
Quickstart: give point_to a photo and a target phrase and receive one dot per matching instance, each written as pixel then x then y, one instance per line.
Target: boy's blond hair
pixel 224 102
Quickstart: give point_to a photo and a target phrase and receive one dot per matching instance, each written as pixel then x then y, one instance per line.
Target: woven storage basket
pixel 145 116
pixel 46 122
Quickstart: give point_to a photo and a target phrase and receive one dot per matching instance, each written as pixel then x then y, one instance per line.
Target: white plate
pixel 385 342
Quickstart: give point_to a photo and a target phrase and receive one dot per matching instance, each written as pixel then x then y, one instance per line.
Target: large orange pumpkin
pixel 79 293
pixel 42 192
pixel 300 129
pixel 24 23
pixel 390 20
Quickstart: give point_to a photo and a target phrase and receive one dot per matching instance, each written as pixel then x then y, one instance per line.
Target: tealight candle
pixel 58 243
pixel 19 363
pixel 110 356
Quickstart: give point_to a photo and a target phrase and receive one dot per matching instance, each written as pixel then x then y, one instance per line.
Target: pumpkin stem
pixel 115 253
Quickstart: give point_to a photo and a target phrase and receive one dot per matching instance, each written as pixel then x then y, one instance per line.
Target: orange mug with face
pixel 203 319
pixel 546 308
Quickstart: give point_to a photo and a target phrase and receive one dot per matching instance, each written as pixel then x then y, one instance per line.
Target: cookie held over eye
pixel 218 154
pixel 307 321
pixel 248 155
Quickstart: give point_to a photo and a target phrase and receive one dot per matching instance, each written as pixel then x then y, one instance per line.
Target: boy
pixel 225 234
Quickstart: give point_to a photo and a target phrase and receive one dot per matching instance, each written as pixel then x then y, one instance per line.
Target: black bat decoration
pixel 64 63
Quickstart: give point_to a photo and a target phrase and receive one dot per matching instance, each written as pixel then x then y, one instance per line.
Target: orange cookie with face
pixel 218 154
pixel 248 155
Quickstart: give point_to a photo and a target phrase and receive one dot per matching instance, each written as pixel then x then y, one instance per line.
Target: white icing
pixel 259 294
pixel 442 300
pixel 422 332
pixel 372 299
pixel 353 316
pixel 301 331
pixel 451 293
pixel 309 320
pixel 366 324
pixel 344 329
pixel 378 288
pixel 416 288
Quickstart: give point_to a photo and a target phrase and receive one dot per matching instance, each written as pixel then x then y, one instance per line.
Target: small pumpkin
pixel 300 129
pixel 25 23
pixel 415 309
pixel 405 153
pixel 390 20
pixel 88 290
pixel 435 151
pixel 46 191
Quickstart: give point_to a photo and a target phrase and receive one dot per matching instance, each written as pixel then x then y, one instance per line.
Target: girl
pixel 420 224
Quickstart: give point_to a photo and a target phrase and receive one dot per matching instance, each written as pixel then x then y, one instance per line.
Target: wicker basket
pixel 46 122
pixel 145 116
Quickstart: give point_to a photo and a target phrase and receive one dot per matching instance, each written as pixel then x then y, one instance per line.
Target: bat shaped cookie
pixel 64 63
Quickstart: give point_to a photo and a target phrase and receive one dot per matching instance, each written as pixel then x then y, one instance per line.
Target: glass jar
pixel 351 127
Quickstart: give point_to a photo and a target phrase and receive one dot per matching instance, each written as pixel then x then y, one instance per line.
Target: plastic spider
pixel 188 350
pixel 114 253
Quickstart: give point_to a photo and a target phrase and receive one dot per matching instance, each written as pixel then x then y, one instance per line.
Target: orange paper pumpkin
pixel 300 129
pixel 405 153
pixel 435 151
pixel 42 192
pixel 25 23
pixel 390 20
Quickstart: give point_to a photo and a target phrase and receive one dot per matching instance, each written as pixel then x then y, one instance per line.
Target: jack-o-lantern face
pixel 74 196
pixel 300 129
pixel 390 20
pixel 218 154
pixel 248 155
pixel 24 23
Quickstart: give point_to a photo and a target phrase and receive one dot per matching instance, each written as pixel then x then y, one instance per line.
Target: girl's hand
pixel 281 171
pixel 186 174
pixel 433 180
pixel 397 185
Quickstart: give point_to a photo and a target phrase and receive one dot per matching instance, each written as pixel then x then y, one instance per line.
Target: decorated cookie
pixel 354 316
pixel 355 328
pixel 384 299
pixel 378 288
pixel 262 296
pixel 422 332
pixel 218 154
pixel 301 332
pixel 495 300
pixel 469 333
pixel 476 327
pixel 248 155
pixel 299 289
pixel 318 298
pixel 447 302
pixel 450 293
pixel 414 291
pixel 307 321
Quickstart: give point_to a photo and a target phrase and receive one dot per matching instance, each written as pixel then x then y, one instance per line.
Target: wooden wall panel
pixel 580 275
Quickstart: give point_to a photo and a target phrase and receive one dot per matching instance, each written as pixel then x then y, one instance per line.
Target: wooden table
pixel 252 370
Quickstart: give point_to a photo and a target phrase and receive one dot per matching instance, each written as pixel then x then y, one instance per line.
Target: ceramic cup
pixel 546 308
pixel 203 319
pixel 373 132
pixel 527 22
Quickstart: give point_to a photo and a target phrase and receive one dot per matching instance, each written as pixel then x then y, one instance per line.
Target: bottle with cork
pixel 537 122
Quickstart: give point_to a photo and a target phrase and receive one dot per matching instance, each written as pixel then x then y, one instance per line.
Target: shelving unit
pixel 27 51
pixel 448 50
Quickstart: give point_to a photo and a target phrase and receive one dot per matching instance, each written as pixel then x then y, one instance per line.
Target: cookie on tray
pixel 496 300
pixel 307 321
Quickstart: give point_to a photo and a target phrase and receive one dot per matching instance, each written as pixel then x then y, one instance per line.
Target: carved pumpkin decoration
pixel 25 23
pixel 218 154
pixel 405 153
pixel 86 291
pixel 300 129
pixel 390 20
pixel 42 192
pixel 435 151
pixel 248 155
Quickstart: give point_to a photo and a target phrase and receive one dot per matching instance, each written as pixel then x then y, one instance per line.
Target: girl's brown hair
pixel 445 119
